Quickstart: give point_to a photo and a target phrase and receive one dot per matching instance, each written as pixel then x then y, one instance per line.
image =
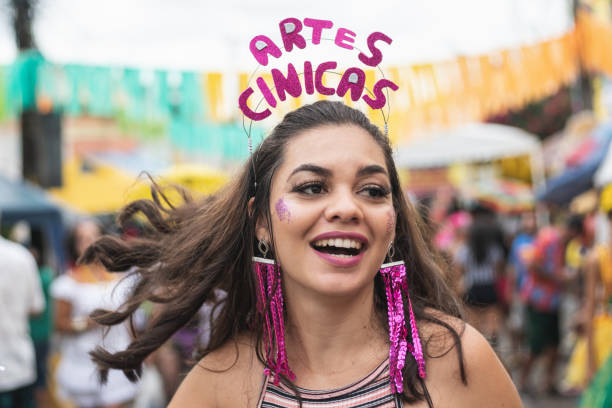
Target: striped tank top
pixel 372 391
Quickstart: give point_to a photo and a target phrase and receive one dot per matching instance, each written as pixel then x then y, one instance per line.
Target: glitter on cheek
pixel 282 210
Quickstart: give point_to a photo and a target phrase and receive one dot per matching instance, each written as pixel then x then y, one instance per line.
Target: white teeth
pixel 338 243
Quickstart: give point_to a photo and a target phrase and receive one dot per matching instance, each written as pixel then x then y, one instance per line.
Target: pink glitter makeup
pixel 282 210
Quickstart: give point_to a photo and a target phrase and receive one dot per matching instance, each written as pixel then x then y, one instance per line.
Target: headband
pixel 310 78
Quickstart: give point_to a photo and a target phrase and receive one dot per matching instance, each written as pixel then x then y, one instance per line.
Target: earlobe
pixel 261 229
pixel 261 233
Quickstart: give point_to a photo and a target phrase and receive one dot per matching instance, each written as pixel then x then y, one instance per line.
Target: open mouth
pixel 340 247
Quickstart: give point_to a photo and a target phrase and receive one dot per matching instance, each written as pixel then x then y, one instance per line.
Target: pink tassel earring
pixel 270 291
pixel 394 276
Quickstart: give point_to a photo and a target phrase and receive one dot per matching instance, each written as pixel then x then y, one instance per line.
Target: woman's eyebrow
pixel 312 168
pixel 370 170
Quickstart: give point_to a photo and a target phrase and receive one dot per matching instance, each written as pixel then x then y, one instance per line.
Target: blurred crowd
pixel 47 331
pixel 537 284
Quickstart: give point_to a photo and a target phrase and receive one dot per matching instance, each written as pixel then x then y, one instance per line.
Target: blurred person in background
pixel 582 229
pixel 517 266
pixel 452 233
pixel 175 358
pixel 21 297
pixel 591 361
pixel 451 238
pixel 517 273
pixel 541 290
pixel 577 252
pixel 41 326
pixel 480 261
pixel 77 293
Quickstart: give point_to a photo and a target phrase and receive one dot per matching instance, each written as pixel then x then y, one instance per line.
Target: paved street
pixel 550 402
pixel 539 400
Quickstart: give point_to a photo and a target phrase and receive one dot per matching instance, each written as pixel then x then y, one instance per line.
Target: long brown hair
pixel 208 244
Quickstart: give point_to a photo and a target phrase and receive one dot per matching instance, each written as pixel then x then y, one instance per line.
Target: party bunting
pixel 446 93
pixel 595 39
pixel 190 105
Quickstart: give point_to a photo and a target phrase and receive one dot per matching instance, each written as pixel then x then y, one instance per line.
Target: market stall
pixel 197 179
pixel 472 143
pixel 94 187
pixel 21 201
pixel 586 167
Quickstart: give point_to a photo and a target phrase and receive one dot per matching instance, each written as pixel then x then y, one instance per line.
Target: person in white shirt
pixel 77 293
pixel 21 297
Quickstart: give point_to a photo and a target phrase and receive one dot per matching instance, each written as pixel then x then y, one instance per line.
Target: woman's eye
pixel 375 191
pixel 310 188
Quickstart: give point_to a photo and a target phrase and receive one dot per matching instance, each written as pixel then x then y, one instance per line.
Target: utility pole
pixel 23 15
pixel 41 155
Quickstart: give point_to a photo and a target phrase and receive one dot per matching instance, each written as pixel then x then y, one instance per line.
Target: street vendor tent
pixel 577 179
pixel 21 201
pixel 603 175
pixel 197 179
pixel 504 196
pixel 95 187
pixel 476 142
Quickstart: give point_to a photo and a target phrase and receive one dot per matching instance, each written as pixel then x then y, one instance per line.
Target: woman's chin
pixel 336 285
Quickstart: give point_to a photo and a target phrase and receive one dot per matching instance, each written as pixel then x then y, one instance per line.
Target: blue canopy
pixel 21 201
pixel 576 180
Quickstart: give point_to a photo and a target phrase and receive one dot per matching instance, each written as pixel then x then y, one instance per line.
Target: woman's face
pixel 87 233
pixel 332 211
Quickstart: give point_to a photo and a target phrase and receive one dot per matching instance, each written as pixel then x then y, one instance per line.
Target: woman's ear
pixel 250 206
pixel 262 233
pixel 261 228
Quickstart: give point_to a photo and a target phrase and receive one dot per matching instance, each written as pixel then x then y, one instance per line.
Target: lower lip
pixel 338 261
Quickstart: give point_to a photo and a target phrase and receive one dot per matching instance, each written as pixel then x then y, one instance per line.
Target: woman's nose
pixel 343 206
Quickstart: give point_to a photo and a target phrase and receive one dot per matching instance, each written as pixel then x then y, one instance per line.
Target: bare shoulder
pixel 230 376
pixel 483 380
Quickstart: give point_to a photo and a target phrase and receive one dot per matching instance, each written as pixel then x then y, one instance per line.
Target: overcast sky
pixel 214 35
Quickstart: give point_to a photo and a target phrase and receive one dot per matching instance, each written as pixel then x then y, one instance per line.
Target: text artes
pixel 293 33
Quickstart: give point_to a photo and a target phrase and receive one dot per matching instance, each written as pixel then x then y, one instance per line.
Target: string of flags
pixel 436 94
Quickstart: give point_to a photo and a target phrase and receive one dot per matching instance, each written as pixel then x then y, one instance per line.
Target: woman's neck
pixel 327 335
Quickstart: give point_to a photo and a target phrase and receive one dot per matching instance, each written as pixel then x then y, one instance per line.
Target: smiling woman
pixel 312 315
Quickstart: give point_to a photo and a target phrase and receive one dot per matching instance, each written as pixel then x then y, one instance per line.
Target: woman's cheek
pixel 282 209
pixel 390 225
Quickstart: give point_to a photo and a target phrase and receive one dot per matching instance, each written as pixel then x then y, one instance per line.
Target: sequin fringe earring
pixel 394 275
pixel 270 293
